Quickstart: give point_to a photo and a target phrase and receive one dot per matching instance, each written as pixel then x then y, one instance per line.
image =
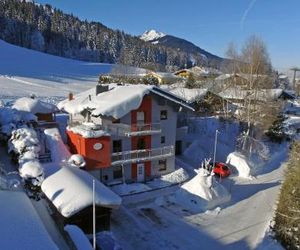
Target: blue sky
pixel 210 24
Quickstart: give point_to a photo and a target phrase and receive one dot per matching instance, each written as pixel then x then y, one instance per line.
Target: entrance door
pixel 140 172
pixel 178 148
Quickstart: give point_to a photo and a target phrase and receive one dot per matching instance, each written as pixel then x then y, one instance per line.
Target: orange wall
pixel 95 159
pixel 146 107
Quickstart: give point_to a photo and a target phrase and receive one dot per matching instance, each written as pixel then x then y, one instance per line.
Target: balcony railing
pixel 133 130
pixel 141 155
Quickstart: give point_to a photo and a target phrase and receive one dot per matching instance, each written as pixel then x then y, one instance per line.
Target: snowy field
pixel 24 72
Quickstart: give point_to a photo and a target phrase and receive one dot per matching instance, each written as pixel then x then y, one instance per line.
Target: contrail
pixel 243 19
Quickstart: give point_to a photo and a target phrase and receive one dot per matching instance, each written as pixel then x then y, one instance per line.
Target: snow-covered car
pixel 221 169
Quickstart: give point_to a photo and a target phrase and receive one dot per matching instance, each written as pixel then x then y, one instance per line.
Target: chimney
pixel 101 88
pixel 70 97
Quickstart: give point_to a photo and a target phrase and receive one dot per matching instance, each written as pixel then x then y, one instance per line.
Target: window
pixel 162 165
pixel 140 117
pixel 141 144
pixel 115 120
pixel 163 114
pixel 117 172
pixel 162 139
pixel 117 146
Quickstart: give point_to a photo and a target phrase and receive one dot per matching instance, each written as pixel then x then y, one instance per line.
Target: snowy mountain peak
pixel 151 35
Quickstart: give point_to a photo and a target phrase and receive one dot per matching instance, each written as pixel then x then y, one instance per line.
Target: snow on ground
pixel 125 189
pixel 78 237
pixel 24 72
pixel 178 176
pixel 237 224
pixel 201 136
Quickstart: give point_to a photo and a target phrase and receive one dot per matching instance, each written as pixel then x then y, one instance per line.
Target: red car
pixel 221 169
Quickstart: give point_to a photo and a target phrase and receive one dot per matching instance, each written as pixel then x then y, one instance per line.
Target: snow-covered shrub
pixel 33 172
pixel 22 140
pixel 77 160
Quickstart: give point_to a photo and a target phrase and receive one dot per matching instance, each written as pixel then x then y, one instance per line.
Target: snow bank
pixel 32 171
pixel 88 130
pixel 202 193
pixel 78 237
pixel 178 176
pixel 21 227
pixel 70 191
pixel 241 164
pixel 34 106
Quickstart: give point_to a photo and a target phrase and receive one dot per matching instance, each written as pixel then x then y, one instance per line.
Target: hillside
pixel 24 72
pixel 44 28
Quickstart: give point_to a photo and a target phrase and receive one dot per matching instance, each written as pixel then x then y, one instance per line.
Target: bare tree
pixel 253 69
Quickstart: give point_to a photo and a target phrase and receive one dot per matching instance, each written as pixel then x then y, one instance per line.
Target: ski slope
pixel 24 72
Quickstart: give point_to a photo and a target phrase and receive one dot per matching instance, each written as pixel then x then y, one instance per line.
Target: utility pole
pixel 215 148
pixel 94 217
pixel 295 69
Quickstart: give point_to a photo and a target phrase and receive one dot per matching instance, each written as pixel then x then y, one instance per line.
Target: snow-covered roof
pixel 21 227
pixel 71 190
pixel 88 130
pixel 190 95
pixel 116 102
pixel 34 106
pixel 241 94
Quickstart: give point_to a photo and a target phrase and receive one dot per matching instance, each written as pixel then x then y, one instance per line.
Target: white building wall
pixel 168 128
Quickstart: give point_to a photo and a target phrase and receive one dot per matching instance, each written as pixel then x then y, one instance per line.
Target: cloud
pixel 246 12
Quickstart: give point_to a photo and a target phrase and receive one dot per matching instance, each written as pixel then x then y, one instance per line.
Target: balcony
pixel 143 155
pixel 133 130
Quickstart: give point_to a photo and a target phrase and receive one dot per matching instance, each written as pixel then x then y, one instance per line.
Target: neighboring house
pixel 204 101
pixel 130 134
pixel 42 110
pixel 183 73
pixel 70 191
pixel 238 95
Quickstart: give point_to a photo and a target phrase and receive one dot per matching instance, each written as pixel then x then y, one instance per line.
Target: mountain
pixel 151 36
pixel 49 30
pixel 159 38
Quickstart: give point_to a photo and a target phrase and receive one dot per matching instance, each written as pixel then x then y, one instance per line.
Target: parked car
pixel 221 169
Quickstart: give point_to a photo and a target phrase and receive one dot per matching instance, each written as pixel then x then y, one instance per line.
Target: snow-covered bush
pixel 33 172
pixel 22 140
pixel 77 160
